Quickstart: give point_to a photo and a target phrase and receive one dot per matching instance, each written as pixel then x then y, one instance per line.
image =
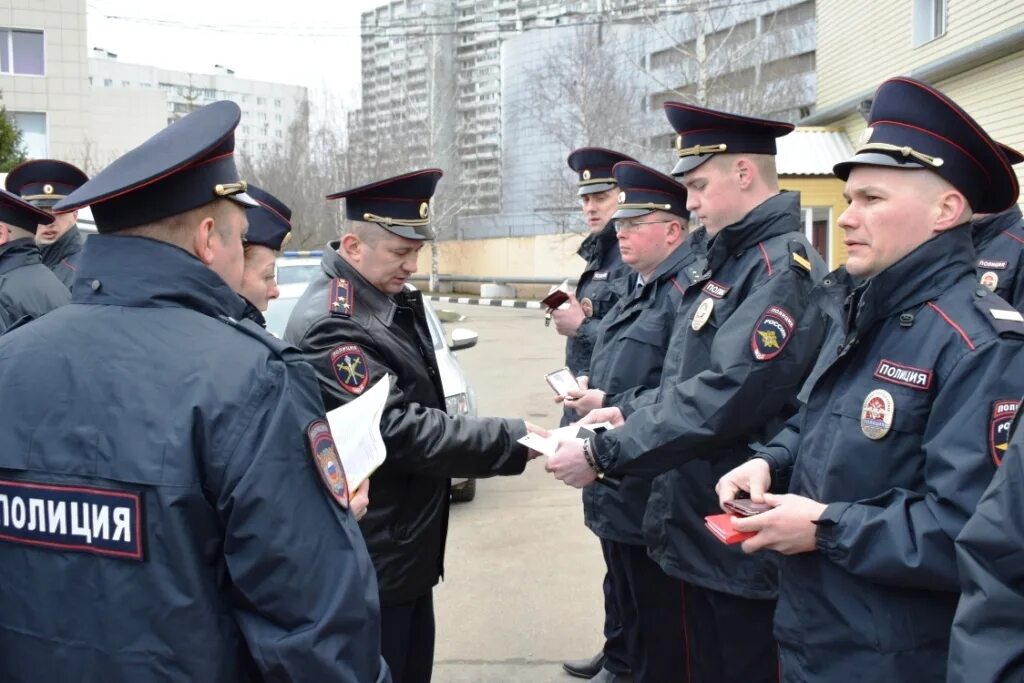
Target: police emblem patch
pixel 990 280
pixel 349 364
pixel 328 464
pixel 702 314
pixel 588 307
pixel 876 414
pixel 772 333
pixel 1003 413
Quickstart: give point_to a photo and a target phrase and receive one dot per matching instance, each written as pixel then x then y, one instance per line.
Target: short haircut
pixel 368 233
pixel 177 229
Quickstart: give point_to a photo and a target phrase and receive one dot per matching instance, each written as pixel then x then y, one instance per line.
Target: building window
pixel 277 117
pixel 817 229
pixel 929 20
pixel 21 52
pixel 277 103
pixel 33 132
pixel 108 82
pixel 126 84
pixel 260 101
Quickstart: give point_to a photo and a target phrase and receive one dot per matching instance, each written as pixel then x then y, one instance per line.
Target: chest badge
pixel 876 414
pixel 703 314
pixel 990 280
pixel 588 307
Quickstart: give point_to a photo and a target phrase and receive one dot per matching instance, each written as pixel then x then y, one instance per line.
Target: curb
pixel 477 301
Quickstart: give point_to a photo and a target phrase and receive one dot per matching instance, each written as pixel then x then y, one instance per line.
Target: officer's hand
pixel 612 415
pixel 584 383
pixel 754 476
pixel 569 317
pixel 788 528
pixel 569 465
pixel 585 401
pixel 539 431
pixel 359 501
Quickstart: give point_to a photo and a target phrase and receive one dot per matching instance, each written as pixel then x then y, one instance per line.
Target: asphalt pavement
pixel 522 588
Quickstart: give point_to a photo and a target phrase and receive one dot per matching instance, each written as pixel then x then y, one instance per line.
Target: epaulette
pixel 1004 318
pixel 798 260
pixel 340 298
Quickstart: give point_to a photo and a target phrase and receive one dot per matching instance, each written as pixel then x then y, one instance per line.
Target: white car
pixel 459 396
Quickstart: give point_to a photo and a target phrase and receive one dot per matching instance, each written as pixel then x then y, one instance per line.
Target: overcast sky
pixel 303 42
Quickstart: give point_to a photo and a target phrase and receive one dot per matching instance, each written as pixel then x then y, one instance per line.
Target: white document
pixel 355 427
pixel 548 445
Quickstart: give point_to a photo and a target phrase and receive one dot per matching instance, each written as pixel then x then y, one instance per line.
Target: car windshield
pixel 293 274
pixel 278 312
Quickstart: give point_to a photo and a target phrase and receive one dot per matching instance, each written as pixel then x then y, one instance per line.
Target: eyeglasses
pixel 621 227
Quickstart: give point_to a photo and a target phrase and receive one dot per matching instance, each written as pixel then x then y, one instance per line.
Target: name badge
pixel 74 518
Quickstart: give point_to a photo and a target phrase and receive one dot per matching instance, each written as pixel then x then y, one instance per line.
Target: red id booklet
pixel 721 527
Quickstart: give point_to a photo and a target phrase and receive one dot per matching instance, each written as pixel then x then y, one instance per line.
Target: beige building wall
pixel 119 120
pixel 860 44
pixel 61 93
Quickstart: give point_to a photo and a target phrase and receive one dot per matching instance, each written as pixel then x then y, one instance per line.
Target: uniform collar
pixel 139 272
pixel 68 243
pixel 18 253
pixel 985 229
pixel 920 276
pixel 365 297
pixel 596 244
pixel 777 215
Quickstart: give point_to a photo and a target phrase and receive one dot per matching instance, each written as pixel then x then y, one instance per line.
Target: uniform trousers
pixel 651 610
pixel 407 639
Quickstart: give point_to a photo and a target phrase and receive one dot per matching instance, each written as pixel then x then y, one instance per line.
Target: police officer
pixel 904 416
pixel 171 503
pixel 999 241
pixel 986 644
pixel 743 343
pixel 578 322
pixel 27 288
pixel 651 225
pixel 270 229
pixel 42 183
pixel 357 322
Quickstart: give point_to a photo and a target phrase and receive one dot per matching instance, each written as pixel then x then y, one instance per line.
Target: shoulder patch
pixel 771 333
pixel 1003 412
pixel 349 364
pixel 340 299
pixel 716 289
pixel 328 464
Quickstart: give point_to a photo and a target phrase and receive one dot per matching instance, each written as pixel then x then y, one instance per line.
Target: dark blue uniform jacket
pixel 27 287
pixel 923 346
pixel 730 381
pixel 999 241
pixel 161 516
pixel 627 361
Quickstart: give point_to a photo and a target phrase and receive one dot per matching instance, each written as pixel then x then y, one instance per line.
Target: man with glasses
pixel 743 343
pixel 632 340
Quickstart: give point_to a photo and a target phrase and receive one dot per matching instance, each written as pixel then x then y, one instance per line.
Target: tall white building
pixel 268 109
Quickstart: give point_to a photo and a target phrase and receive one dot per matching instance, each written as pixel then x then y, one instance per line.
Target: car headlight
pixel 457 404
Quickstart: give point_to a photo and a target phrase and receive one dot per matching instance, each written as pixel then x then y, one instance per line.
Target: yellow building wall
pixel 822 191
pixel 860 44
pixel 554 256
pixel 993 94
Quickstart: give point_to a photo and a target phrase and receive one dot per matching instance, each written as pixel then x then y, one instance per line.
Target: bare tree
pixel 584 93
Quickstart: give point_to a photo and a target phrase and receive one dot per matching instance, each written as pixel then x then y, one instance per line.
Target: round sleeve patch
pixel 349 364
pixel 1003 413
pixel 328 464
pixel 772 333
